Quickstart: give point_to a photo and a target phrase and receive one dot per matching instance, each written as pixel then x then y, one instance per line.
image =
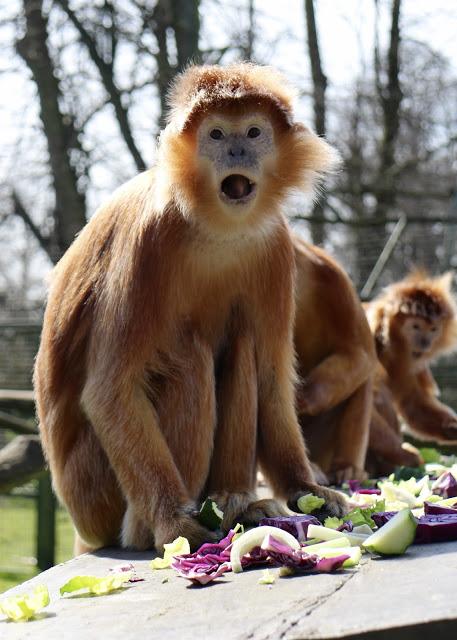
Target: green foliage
pixel 18 542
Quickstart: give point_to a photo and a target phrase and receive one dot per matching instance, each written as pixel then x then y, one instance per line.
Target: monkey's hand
pixel 319 476
pixel 336 503
pixel 245 508
pixel 310 398
pixel 138 534
pixel 344 472
pixel 449 428
pixel 184 525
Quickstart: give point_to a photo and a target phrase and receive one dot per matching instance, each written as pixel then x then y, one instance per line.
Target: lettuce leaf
pixel 428 454
pixel 359 516
pixel 180 546
pixel 309 503
pixel 24 607
pixel 333 523
pixel 94 585
pixel 267 577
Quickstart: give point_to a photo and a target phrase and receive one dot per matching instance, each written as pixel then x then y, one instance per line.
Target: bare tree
pixel 319 87
pixel 62 138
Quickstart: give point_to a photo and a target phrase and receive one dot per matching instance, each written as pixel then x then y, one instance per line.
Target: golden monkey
pixel 414 322
pixel 336 359
pixel 166 366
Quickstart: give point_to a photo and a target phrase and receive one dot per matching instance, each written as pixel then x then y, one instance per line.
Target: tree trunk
pixel 319 106
pixel 61 136
pixel 390 98
pixel 182 17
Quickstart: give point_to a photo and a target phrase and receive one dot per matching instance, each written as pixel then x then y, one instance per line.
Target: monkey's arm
pixel 127 427
pixel 333 380
pixel 334 345
pixel 351 438
pixel 427 382
pixel 426 415
pixel 281 449
pixel 387 444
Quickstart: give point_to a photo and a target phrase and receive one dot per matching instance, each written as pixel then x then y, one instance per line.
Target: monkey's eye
pixel 433 329
pixel 416 326
pixel 253 132
pixel 216 134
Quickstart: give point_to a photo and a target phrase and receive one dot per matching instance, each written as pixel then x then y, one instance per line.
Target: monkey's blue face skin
pixel 237 149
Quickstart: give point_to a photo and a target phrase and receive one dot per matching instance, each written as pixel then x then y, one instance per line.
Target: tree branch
pixel 106 74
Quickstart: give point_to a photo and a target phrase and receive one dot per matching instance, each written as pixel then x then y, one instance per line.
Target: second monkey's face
pixel 236 150
pixel 421 335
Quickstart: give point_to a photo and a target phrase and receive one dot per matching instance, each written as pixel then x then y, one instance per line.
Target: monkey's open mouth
pixel 237 188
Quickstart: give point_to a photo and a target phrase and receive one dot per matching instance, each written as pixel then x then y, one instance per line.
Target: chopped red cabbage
pixel 208 563
pixel 297 559
pixel 295 525
pixel 430 528
pixel 445 485
pixel 355 486
pixel 432 509
pixel 125 568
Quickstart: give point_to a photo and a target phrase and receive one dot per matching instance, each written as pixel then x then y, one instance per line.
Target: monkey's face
pixel 236 151
pixel 422 335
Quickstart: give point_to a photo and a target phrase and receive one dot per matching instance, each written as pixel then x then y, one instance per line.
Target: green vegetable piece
pixel 405 473
pixel 354 553
pixel 267 577
pixel 210 516
pixel 95 586
pixel 309 503
pixel 333 523
pixel 179 547
pixel 429 455
pixel 360 516
pixel 23 607
pixel 395 536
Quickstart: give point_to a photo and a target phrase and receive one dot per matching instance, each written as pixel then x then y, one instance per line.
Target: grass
pixel 18 541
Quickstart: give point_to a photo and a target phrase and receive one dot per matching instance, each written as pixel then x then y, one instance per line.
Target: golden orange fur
pixel 336 357
pixel 165 371
pixel 414 322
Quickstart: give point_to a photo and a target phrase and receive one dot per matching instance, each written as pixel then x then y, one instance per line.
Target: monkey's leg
pixel 351 437
pixel 232 478
pixel 86 484
pixel 332 381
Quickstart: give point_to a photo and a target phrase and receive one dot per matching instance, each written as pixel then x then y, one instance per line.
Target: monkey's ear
pixel 446 280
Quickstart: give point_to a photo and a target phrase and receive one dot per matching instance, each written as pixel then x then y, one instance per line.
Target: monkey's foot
pixel 244 508
pixel 336 503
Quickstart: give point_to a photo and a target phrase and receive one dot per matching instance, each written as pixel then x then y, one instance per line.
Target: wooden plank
pixel 397 598
pixel 17 395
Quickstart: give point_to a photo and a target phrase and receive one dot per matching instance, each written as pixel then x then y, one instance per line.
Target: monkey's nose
pixel 236 151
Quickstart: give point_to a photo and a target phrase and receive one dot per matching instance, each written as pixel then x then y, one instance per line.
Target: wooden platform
pixel 413 596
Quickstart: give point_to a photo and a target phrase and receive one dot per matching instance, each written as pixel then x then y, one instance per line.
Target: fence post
pixel 46 525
